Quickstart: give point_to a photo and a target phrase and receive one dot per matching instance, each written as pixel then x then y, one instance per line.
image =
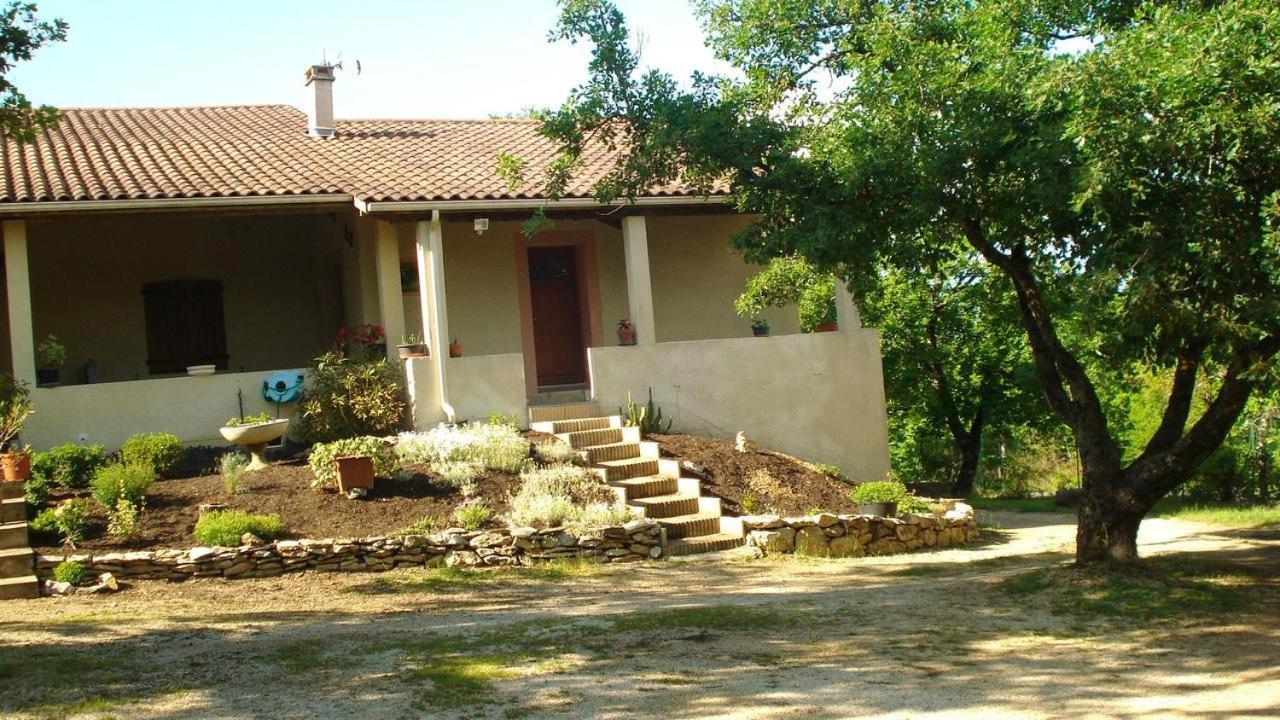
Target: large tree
pixel 1117 162
pixel 22 32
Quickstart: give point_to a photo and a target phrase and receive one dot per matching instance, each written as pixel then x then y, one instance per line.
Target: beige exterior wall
pixel 817 396
pixel 281 278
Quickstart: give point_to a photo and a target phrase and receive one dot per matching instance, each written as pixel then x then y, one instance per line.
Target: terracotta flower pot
pixel 16 466
pixel 412 350
pixel 626 336
pixel 455 349
pixel 828 327
pixel 354 471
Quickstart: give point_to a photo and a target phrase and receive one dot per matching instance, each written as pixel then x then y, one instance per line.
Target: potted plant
pixel 412 347
pixel 365 340
pixel 879 497
pixel 760 327
pixel 51 354
pixel 353 471
pixel 626 333
pixel 455 349
pixel 15 408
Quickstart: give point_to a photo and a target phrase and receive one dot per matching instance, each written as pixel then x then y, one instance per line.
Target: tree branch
pixel 1181 395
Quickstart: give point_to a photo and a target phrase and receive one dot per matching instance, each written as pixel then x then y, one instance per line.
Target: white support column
pixel 847 315
pixel 635 245
pixel 435 313
pixel 390 296
pixel 22 341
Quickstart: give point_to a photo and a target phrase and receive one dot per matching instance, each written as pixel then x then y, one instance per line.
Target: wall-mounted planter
pixel 888 509
pixel 412 350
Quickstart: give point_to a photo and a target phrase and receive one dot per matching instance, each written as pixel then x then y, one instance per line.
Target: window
pixel 184 325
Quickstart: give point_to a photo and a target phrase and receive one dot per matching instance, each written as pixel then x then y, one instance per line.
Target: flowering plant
pixel 365 334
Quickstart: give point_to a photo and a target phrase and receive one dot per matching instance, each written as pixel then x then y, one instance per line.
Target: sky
pixel 419 58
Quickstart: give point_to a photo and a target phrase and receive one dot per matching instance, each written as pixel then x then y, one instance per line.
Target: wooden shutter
pixel 185 325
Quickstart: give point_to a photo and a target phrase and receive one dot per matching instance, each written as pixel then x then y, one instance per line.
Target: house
pixel 152 239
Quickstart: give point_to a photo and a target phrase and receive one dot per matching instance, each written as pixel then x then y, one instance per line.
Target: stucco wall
pixel 479 385
pixel 282 287
pixel 193 408
pixel 817 396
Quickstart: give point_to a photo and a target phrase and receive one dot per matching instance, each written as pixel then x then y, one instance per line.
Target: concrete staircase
pixel 650 484
pixel 17 561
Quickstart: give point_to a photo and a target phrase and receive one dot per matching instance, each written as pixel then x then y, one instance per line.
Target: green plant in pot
pixel 760 327
pixel 788 281
pixel 15 408
pixel 879 497
pixel 52 354
pixel 412 347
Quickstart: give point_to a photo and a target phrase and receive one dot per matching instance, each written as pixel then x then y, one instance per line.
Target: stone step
pixel 555 427
pixel 563 411
pixel 13 510
pixel 587 438
pixel 643 487
pixel 16 562
pixel 19 588
pixel 13 535
pixel 10 489
pixel 612 471
pixel 703 544
pixel 683 526
pixel 594 454
pixel 672 505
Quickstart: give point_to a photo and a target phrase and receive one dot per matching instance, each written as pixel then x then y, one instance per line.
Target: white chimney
pixel 320 114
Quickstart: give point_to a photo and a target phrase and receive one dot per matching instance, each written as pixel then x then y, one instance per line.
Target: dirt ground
pixel 285 489
pixel 959 633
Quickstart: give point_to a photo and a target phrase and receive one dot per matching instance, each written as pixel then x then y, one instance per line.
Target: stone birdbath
pixel 255 437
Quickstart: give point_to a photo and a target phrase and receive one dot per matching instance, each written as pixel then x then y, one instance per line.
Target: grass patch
pixel 410 581
pixel 1042 504
pixel 1159 588
pixel 1254 516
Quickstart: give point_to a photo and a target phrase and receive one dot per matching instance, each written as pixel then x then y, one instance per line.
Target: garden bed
pixel 791 486
pixel 285 488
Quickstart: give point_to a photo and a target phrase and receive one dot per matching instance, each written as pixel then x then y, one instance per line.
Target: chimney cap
pixel 319 72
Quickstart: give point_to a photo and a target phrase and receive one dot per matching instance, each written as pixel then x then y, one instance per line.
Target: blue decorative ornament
pixel 282 387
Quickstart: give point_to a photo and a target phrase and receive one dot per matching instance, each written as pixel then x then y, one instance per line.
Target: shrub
pixel 68 521
pixel 351 397
pixel 503 420
pixel 751 503
pixel 224 528
pixel 70 571
pixel 556 452
pixel 374 448
pixel 15 408
pixel 427 525
pixel 564 495
pixel 70 465
pixel 832 472
pixel 473 515
pixel 160 451
pixel 459 474
pixel 912 504
pixel 495 447
pixel 879 491
pixel 231 467
pixel 128 482
pixel 123 519
pixel 37 490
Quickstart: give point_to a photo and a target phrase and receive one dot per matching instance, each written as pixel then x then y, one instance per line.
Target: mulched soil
pixel 792 486
pixel 285 488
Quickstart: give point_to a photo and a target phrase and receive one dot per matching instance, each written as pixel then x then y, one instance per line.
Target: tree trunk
pixel 1107 529
pixel 970 452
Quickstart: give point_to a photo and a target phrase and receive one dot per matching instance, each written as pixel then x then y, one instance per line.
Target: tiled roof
pixel 204 152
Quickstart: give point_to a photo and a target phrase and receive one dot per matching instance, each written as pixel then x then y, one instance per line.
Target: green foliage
pixel 70 465
pixel 503 420
pixel 648 418
pixel 879 491
pixel 15 396
pixel 160 451
pixel 790 281
pixel 556 452
pixel 912 504
pixel 70 571
pixel 129 483
pixel 497 447
pixel 232 466
pixel 461 474
pixel 37 489
pixel 832 472
pixel 22 32
pixel 224 528
pixel 258 419
pixel 564 495
pixel 68 521
pixel 751 503
pixel 352 396
pixel 51 352
pixel 122 520
pixel 473 515
pixel 374 448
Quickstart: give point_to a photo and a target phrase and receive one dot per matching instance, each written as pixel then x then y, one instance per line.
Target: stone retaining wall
pixel 635 541
pixel 828 535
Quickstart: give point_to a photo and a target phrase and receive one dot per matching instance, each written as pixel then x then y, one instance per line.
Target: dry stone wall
pixel 827 535
pixel 635 541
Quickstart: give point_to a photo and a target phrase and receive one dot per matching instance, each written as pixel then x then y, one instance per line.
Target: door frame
pixel 588 280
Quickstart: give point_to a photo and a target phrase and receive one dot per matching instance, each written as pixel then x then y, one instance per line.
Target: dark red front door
pixel 559 350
